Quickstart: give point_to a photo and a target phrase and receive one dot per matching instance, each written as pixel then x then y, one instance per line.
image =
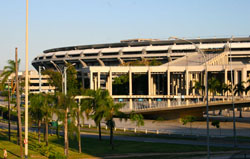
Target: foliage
pixel 137 118
pixel 47 151
pixel 239 88
pixel 154 62
pixel 213 85
pixel 188 119
pixel 8 70
pixel 143 62
pixel 55 79
pixel 216 123
pixel 198 85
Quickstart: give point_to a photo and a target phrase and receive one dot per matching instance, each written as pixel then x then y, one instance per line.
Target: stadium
pixel 166 70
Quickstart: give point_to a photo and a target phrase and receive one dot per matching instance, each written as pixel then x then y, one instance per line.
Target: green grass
pixel 92 147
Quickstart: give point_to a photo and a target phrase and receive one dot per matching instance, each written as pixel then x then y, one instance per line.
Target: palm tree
pixel 99 99
pixel 65 105
pixel 248 87
pixel 213 85
pixel 198 86
pixel 40 109
pixel 36 114
pixel 46 108
pixel 239 89
pixel 226 88
pixel 7 71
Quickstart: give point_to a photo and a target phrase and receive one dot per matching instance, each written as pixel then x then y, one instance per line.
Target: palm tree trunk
pixel 111 136
pixel 79 131
pixel 17 135
pixel 46 132
pixel 57 129
pixel 66 143
pixel 18 109
pixel 39 126
pixel 100 131
pixel 9 109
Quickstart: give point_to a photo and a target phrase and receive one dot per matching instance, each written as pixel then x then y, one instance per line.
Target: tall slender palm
pixel 213 85
pixel 111 110
pixel 64 106
pixel 198 86
pixel 35 111
pixel 7 71
pixel 226 88
pixel 239 89
pixel 99 99
pixel 248 87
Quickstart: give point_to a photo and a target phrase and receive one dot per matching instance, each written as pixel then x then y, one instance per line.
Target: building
pixel 33 82
pixel 169 84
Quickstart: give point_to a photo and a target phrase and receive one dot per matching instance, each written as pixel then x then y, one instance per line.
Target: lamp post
pixel 231 67
pixel 206 90
pixel 26 85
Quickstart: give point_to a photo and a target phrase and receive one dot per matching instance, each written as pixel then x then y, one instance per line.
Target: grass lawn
pixel 94 148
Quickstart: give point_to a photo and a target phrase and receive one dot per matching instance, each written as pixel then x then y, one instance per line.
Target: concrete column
pixel 99 80
pixel 235 77
pixel 187 82
pixel 130 83
pixel 149 82
pixel 95 83
pixel 110 82
pixel 168 82
pixel 152 85
pixel 91 80
pixel 225 76
pixel 158 85
pixel 177 86
pixel 130 103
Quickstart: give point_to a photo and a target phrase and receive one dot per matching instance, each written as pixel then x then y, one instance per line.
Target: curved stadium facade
pixel 168 84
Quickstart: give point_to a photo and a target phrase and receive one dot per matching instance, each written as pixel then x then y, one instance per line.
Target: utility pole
pixel 40 80
pixel 18 109
pixel 9 108
pixel 26 85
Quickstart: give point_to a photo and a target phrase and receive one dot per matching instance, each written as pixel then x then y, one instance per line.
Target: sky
pixel 60 23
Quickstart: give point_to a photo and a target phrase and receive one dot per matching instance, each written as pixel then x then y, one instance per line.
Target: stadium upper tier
pixel 113 54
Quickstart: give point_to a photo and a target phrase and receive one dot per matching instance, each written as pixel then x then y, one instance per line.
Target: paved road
pixel 160 140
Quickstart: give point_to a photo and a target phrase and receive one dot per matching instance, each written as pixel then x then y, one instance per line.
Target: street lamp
pixel 26 85
pixel 234 125
pixel 63 72
pixel 206 89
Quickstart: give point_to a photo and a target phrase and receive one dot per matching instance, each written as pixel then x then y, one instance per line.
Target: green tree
pixel 36 114
pixel 7 71
pixel 216 124
pixel 55 79
pixel 66 103
pixel 188 119
pixel 65 106
pixel 239 88
pixel 98 99
pixel 225 88
pixel 201 88
pixel 41 106
pixel 111 110
pixel 213 85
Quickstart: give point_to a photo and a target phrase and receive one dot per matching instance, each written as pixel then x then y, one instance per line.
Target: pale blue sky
pixel 58 23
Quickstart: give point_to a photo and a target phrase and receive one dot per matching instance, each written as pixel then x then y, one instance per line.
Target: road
pixel 151 140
